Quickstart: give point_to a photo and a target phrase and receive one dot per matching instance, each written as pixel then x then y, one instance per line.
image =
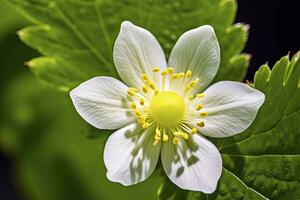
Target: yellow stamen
pixel 188 74
pixel 201 124
pixel 170 70
pixel 142 101
pixel 157 135
pixel 141 121
pixel 177 133
pixel 163 80
pixel 155 69
pixel 156 92
pixel 191 97
pixel 184 135
pixel 181 75
pixel 164 73
pixel 175 140
pixel 146 125
pixel 144 88
pixel 145 77
pixel 165 138
pixel 175 76
pixel 193 130
pixel 138 113
pixel 192 83
pixel 134 89
pixel 133 105
pixel 200 95
pixel 152 86
pixel 157 132
pixel 203 114
pixel 130 92
pixel 199 107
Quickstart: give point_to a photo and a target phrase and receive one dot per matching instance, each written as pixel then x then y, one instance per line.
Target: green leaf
pixel 76 37
pixel 264 161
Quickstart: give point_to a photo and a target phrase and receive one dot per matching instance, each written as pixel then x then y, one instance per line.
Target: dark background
pixel 274 32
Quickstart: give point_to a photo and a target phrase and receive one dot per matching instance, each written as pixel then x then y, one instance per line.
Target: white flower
pixel 163 110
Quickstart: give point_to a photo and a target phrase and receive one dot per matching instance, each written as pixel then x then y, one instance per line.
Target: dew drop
pixel 173 37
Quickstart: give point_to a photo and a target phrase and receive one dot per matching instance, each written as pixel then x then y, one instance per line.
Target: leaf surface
pixel 76 37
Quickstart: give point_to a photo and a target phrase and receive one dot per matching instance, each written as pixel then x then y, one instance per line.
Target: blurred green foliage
pixel 44 137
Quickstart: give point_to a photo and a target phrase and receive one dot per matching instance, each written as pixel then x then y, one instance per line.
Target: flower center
pixel 167 108
pixel 164 106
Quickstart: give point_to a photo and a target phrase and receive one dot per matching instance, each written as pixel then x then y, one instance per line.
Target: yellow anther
pixel 201 124
pixel 165 138
pixel 191 84
pixel 155 69
pixel 181 75
pixel 144 88
pixel 134 89
pixel 203 114
pixel 188 74
pixel 133 105
pixel 157 137
pixel 164 73
pixel 200 95
pixel 156 140
pixel 138 113
pixel 177 133
pixel 193 130
pixel 191 97
pixel 145 77
pixel 175 76
pixel 130 92
pixel 184 136
pixel 146 125
pixel 142 101
pixel 175 140
pixel 141 121
pixel 152 86
pixel 156 92
pixel 170 70
pixel 157 132
pixel 199 107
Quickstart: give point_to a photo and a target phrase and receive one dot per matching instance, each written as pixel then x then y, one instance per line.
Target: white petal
pixel 197 166
pixel 197 50
pixel 231 107
pixel 136 52
pixel 102 102
pixel 130 156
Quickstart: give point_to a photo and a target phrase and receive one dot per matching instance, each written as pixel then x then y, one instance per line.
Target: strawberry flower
pixel 165 109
